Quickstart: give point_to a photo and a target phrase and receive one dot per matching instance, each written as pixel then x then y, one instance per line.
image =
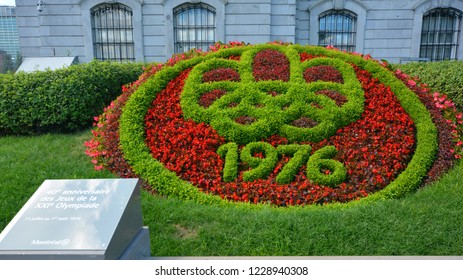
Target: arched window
pixel 112 32
pixel 337 28
pixel 440 33
pixel 194 27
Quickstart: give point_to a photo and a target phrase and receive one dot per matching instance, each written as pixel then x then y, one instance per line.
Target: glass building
pixel 9 39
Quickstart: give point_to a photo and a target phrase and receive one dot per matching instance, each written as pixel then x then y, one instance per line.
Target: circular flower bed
pixel 277 124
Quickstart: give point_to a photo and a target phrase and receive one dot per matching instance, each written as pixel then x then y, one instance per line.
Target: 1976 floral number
pixel 262 158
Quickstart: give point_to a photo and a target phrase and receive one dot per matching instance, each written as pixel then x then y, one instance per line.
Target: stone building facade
pixel 153 30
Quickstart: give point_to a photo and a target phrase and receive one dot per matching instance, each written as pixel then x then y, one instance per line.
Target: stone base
pixel 140 247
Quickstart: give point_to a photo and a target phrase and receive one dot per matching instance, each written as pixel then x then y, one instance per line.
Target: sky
pixel 7 3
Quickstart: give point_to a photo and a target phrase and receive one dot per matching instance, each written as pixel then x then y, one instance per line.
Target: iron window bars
pixel 440 34
pixel 194 27
pixel 338 28
pixel 112 32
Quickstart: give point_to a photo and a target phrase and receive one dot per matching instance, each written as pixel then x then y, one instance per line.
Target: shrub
pixel 442 76
pixel 322 169
pixel 63 100
pixel 261 166
pixel 383 144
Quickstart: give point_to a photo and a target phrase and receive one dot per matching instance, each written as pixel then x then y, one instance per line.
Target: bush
pixel 442 76
pixel 322 169
pixel 372 162
pixel 387 152
pixel 63 100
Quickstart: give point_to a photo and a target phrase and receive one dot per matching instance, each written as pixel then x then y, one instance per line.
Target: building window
pixel 440 33
pixel 112 32
pixel 194 27
pixel 338 28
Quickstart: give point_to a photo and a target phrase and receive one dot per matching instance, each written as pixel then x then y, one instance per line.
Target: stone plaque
pixel 75 219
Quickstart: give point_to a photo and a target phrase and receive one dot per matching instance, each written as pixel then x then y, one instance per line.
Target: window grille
pixel 112 32
pixel 440 34
pixel 194 27
pixel 338 28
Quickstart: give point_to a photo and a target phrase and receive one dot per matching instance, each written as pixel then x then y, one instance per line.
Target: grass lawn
pixel 429 222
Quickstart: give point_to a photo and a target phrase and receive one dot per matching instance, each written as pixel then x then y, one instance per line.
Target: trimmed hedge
pixel 300 155
pixel 229 152
pixel 322 160
pixel 272 115
pixel 166 182
pixel 261 167
pixel 442 76
pixel 63 100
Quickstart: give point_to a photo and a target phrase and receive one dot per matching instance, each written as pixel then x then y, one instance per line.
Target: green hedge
pixel 261 167
pixel 63 100
pixel 166 182
pixel 271 117
pixel 322 160
pixel 443 76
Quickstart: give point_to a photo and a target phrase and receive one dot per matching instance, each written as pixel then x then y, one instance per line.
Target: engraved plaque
pixel 75 219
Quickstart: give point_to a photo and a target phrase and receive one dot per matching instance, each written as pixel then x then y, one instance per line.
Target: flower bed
pixel 277 124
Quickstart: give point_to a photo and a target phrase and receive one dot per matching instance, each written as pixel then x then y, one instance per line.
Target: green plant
pixel 229 152
pixel 241 124
pixel 261 166
pixel 248 111
pixel 443 76
pixel 324 170
pixel 63 100
pixel 400 227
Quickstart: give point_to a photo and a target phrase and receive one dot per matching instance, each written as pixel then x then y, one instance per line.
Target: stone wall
pixel 385 29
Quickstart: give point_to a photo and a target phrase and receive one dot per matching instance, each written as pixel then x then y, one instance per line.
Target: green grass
pixel 25 162
pixel 429 222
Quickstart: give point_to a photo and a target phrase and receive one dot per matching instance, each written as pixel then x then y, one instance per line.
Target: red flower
pixel 323 73
pixel 374 149
pixel 271 65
